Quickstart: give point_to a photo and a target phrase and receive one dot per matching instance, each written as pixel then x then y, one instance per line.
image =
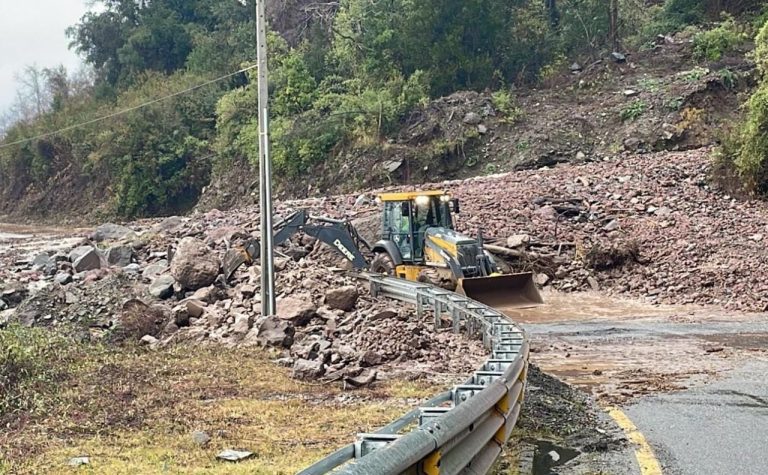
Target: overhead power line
pixel 125 111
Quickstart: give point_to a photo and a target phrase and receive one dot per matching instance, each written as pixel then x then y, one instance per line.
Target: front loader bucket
pixel 510 291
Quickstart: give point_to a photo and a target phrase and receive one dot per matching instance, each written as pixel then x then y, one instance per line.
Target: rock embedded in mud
pixel 120 256
pixel 235 455
pixel 162 287
pixel 297 309
pixel 200 438
pixel 79 461
pixel 149 340
pixel 343 298
pixel 194 265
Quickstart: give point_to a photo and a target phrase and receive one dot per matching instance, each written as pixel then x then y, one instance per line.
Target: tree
pixel 32 95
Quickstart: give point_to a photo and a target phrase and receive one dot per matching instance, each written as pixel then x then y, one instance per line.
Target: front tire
pixel 431 275
pixel 383 264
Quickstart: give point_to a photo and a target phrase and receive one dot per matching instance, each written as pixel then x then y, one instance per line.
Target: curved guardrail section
pixel 459 431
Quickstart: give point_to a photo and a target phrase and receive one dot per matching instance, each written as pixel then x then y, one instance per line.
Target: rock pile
pixel 162 283
pixel 648 226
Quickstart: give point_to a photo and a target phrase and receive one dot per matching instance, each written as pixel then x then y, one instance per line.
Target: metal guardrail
pixel 461 431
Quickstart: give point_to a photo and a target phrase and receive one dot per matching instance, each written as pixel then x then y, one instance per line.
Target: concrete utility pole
pixel 268 304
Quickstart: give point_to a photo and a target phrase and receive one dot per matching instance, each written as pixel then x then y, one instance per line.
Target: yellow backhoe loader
pixel 417 242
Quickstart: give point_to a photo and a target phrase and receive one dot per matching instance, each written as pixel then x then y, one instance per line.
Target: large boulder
pixel 120 256
pixel 343 298
pixel 110 231
pixel 194 266
pixel 90 260
pixel 297 309
pixel 78 252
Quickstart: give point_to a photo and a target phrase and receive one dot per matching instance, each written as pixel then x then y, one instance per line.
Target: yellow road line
pixel 649 465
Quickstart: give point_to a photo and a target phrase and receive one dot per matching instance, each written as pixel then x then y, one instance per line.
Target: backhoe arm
pixel 339 235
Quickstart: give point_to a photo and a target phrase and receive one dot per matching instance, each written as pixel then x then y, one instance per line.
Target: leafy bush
pixel 745 152
pixel 713 44
pixel 634 110
pixel 505 103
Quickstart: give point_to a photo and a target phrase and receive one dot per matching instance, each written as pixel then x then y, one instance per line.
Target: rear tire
pixel 382 264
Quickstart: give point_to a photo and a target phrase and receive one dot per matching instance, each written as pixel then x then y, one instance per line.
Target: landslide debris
pixel 648 226
pixel 167 287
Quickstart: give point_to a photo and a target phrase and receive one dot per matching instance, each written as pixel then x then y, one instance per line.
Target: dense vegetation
pixel 342 73
pixel 745 152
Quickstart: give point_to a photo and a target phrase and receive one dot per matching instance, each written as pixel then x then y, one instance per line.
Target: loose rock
pixel 194 265
pixel 343 298
pixel 162 287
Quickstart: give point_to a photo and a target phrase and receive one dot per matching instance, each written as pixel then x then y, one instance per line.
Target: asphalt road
pixel 707 411
pixel 720 428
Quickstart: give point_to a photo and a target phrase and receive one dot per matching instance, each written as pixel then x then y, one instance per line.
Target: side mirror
pixel 453 205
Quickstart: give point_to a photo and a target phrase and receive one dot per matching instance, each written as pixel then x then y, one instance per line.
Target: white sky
pixel 32 32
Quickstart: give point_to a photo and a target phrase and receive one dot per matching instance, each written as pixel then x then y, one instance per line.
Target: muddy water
pixel 581 306
pixel 21 241
pixel 620 348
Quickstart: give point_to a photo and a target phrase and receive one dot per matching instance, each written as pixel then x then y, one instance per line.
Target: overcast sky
pixel 32 32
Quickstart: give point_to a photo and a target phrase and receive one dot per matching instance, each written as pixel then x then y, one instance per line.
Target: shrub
pixel 634 110
pixel 713 44
pixel 505 103
pixel 745 151
pixel 751 156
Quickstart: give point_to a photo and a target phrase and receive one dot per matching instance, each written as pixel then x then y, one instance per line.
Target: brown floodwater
pixel 578 306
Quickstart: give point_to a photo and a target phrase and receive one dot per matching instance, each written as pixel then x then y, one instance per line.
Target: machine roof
pixel 409 195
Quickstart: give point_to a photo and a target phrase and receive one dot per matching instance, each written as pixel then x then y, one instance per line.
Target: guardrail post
pixel 419 305
pixel 503 407
pixel 431 464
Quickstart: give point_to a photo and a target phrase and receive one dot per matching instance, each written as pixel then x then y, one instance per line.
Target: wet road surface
pixel 694 381
pixel 719 428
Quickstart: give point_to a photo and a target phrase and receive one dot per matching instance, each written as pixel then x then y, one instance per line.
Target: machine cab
pixel 407 216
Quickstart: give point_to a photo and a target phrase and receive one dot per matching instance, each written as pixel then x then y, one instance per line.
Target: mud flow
pixel 582 306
